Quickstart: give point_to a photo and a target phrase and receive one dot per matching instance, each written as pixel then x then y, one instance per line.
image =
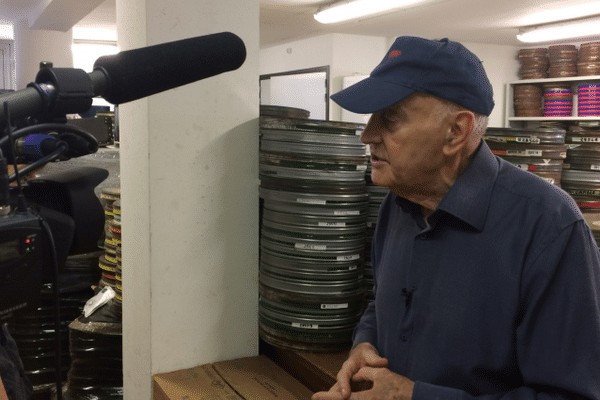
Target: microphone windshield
pixel 135 74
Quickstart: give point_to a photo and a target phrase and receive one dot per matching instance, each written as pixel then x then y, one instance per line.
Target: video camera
pixel 48 219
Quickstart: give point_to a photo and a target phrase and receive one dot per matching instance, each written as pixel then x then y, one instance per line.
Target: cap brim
pixel 371 95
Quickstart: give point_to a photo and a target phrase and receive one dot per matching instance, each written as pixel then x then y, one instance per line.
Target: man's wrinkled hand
pixel 387 385
pixel 363 355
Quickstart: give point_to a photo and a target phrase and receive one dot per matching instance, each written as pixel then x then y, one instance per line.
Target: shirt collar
pixel 468 199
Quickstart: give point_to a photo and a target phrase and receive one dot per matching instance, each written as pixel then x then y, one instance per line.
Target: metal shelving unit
pixel 511 121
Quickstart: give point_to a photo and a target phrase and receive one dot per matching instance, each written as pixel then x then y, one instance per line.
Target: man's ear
pixel 461 132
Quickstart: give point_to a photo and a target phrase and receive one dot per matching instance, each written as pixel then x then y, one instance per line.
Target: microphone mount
pixel 63 91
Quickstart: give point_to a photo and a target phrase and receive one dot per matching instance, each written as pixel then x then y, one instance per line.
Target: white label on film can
pixel 516 153
pixel 342 212
pixel 595 167
pixel 304 326
pixel 334 306
pixel 527 140
pixel 513 152
pixel 533 153
pixel 348 257
pixel 306 246
pixel 311 201
pixel 332 224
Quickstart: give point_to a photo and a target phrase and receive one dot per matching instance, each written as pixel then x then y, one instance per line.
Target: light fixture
pixel 578 28
pixel 350 9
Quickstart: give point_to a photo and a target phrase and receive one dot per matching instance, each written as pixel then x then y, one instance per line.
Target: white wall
pixel 189 182
pixel 345 54
pixel 302 54
pixel 352 54
pixel 501 66
pixel 33 46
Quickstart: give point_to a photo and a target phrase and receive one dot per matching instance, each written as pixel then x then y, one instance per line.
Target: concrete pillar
pixel 189 183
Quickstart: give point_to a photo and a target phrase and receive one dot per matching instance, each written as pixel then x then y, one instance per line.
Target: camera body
pixel 21 248
pixel 63 217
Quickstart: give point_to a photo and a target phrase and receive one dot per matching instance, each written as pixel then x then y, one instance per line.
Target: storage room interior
pixel 187 175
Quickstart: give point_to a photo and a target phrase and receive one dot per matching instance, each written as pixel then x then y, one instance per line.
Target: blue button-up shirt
pixel 497 296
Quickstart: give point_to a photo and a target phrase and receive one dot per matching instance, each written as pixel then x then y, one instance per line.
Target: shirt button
pixel 423 236
pixel 404 338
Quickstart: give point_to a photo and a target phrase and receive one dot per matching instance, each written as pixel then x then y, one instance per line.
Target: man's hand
pixel 386 385
pixel 363 355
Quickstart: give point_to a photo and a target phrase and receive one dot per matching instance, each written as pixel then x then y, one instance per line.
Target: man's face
pixel 406 142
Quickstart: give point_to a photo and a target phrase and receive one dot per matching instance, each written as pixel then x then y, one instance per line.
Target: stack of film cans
pixel 533 63
pixel 95 341
pixel 563 61
pixel 118 299
pixel 34 335
pixel 589 59
pixel 528 100
pixel 559 61
pixel 581 176
pixel 96 350
pixel 541 151
pixel 313 224
pixel 110 261
pixel 588 100
pixel 558 100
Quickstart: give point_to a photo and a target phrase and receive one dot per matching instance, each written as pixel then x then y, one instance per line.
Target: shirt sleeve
pixel 558 332
pixel 366 330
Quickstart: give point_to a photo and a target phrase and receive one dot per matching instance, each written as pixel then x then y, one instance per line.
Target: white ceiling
pixel 484 21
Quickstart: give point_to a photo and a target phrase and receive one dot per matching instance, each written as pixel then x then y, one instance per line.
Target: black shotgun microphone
pixel 126 76
pixel 135 74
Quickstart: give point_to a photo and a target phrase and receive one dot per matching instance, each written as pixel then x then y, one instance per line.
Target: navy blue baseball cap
pixel 442 68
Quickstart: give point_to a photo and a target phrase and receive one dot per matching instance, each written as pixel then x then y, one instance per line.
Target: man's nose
pixel 371 132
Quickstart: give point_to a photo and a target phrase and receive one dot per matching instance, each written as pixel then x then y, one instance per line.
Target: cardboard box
pixel 251 378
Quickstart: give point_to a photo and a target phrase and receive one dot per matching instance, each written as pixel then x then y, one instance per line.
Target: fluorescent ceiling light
pixel 348 9
pixel 560 14
pixel 564 30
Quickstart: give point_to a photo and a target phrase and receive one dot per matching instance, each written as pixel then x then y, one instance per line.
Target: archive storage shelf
pixel 523 122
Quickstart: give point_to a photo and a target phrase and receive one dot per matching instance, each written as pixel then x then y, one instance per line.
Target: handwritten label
pixel 304 325
pixel 332 224
pixel 308 246
pixel 334 306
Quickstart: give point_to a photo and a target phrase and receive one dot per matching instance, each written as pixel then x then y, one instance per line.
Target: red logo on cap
pixel 394 54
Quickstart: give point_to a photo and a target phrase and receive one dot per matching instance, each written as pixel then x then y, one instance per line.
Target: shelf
pixel 547 80
pixel 509 106
pixel 554 118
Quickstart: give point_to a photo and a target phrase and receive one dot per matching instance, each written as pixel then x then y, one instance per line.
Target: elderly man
pixel 487 278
